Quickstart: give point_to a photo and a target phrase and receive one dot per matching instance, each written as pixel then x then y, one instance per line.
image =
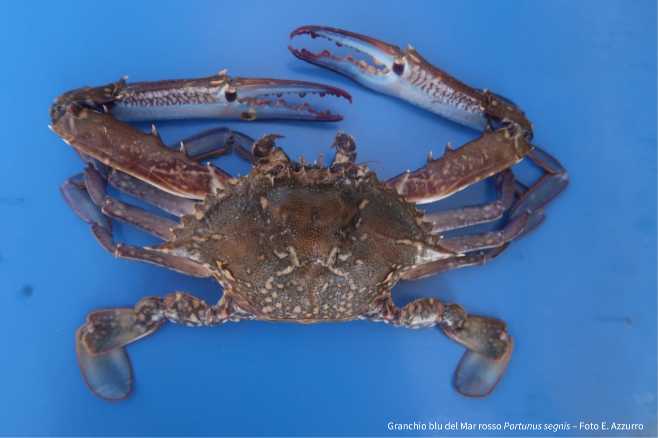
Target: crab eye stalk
pixel 231 94
pixel 398 66
pixel 263 147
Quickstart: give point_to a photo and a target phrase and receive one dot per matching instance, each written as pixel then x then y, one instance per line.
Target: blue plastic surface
pixel 579 294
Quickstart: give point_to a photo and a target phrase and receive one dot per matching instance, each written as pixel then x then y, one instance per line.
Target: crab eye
pixel 398 66
pixel 231 94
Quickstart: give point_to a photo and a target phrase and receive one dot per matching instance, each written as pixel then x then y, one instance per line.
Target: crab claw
pixel 405 74
pixel 377 60
pixel 223 97
pixel 267 99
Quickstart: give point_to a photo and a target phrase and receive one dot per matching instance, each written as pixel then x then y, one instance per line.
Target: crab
pixel 296 241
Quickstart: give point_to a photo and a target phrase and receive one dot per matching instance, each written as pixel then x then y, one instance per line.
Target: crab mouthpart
pixel 272 98
pixel 372 58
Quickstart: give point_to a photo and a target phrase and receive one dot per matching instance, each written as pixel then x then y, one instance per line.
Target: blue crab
pixel 294 241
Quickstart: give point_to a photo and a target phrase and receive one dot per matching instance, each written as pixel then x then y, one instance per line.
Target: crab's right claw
pixel 214 97
pixel 405 74
pixel 489 349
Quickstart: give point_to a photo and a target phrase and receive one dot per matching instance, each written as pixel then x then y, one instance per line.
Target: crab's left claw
pixel 405 74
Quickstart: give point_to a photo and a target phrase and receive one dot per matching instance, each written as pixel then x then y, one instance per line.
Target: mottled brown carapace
pixel 299 242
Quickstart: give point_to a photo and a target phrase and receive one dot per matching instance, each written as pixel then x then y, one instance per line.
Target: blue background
pixel 579 294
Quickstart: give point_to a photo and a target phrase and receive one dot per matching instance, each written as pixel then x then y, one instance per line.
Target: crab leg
pixel 165 201
pixel 77 196
pixel 150 223
pixel 147 255
pixel 489 346
pixel 474 215
pixel 405 74
pixel 474 258
pixel 217 142
pixel 206 145
pixel 144 156
pixel 457 169
pixel 492 239
pixel 551 184
pixel 101 340
pixel 156 225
